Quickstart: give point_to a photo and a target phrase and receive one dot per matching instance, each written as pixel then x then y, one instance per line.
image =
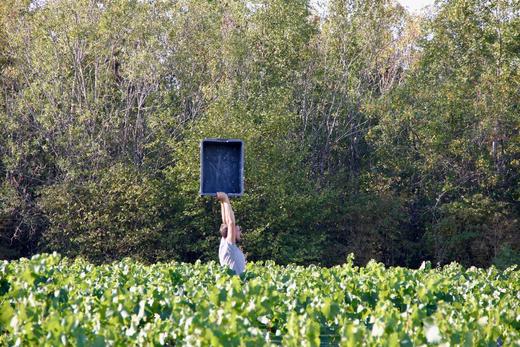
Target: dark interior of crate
pixel 221 167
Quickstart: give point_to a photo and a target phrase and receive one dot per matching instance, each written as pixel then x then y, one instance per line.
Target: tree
pixel 451 127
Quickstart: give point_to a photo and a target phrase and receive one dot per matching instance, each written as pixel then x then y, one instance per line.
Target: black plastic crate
pixel 222 166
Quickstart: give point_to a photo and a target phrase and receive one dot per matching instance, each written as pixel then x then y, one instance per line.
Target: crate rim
pixel 242 167
pixel 212 139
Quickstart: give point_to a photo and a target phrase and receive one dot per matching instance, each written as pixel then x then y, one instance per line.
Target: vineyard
pixel 50 300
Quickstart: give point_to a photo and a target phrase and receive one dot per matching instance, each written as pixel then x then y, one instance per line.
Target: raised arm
pixel 228 216
pixel 224 221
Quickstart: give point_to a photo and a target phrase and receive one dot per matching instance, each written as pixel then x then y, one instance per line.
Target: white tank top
pixel 230 255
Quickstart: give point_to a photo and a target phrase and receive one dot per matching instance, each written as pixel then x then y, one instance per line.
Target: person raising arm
pixel 228 217
pixel 229 254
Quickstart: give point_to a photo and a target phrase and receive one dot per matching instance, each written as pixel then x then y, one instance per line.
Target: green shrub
pixel 107 217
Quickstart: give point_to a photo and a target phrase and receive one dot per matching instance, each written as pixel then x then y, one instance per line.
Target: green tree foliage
pixel 119 213
pixel 252 100
pixel 447 139
pixel 20 222
pixel 366 129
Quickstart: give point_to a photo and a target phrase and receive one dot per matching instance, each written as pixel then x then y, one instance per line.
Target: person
pixel 228 253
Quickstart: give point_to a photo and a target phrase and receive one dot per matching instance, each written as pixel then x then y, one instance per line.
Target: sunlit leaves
pixel 126 303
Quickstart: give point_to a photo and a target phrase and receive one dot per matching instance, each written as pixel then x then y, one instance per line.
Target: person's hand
pixel 222 197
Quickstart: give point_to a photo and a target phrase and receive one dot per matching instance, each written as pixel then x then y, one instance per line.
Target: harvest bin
pixel 222 166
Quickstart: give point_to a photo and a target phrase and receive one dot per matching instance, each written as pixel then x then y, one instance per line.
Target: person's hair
pixel 223 230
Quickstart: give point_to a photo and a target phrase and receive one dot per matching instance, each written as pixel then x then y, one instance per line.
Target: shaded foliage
pixel 367 129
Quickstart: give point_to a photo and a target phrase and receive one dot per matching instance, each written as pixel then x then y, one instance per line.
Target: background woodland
pixel 367 130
